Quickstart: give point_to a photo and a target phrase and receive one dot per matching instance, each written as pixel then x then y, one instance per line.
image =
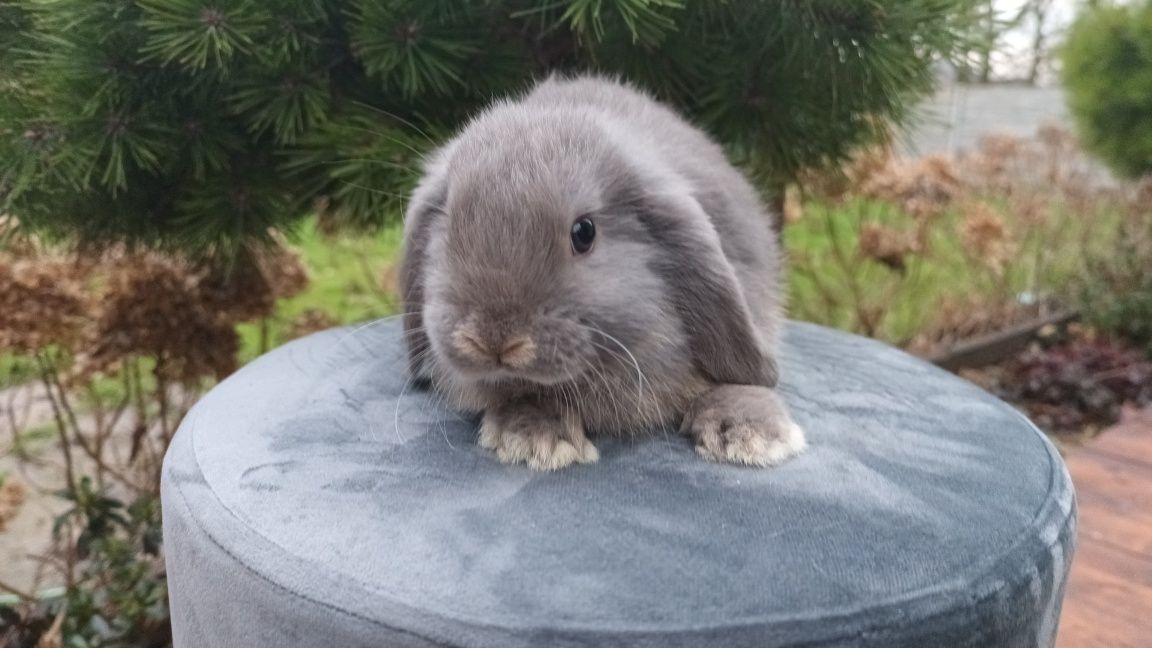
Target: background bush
pixel 1117 287
pixel 1108 74
pixel 208 122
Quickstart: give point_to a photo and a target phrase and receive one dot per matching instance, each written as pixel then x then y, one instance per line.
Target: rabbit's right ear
pixel 424 210
pixel 706 293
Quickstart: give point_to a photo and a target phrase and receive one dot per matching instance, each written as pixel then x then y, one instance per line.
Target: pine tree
pixel 206 123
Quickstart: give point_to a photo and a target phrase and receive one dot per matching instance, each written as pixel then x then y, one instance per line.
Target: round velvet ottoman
pixel 316 499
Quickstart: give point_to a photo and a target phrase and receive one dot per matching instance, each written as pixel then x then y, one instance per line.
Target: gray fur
pixel 679 298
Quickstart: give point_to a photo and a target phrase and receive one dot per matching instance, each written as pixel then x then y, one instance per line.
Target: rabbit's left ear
pixel 725 343
pixel 424 209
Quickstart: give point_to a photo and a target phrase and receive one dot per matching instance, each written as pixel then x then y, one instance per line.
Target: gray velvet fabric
pixel 316 499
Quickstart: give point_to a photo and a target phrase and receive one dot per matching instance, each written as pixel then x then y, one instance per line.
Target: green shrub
pixel 1117 286
pixel 204 122
pixel 1108 75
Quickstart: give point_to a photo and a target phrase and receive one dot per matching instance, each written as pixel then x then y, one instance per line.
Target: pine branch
pixel 205 123
pixel 196 34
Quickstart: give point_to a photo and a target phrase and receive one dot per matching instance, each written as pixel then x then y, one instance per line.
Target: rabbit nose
pixel 515 351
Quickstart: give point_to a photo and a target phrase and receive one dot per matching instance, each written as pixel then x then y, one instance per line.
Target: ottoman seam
pixel 1019 540
pixel 880 631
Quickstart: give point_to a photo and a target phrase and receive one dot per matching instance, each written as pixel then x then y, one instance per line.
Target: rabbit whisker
pixel 400 399
pixel 368 325
pixel 398 118
pixel 641 379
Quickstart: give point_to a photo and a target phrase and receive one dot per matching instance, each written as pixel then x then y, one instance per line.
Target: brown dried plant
pixel 151 307
pixel 161 325
pixel 1018 213
pixel 311 321
pixel 888 245
pixel 985 237
pixel 922 187
pixel 247 287
pixel 12 494
pixel 42 303
pixel 123 341
pixel 1047 170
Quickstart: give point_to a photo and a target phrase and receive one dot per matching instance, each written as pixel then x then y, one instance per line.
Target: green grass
pixel 829 287
pixel 347 284
pixel 31 440
pixel 15 369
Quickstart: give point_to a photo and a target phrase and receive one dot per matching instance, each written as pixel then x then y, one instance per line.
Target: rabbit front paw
pixel 525 433
pixel 743 424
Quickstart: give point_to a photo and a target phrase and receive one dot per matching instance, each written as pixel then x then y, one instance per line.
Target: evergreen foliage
pixel 206 123
pixel 1108 74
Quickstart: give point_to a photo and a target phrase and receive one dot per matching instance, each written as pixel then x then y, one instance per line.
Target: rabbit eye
pixel 583 235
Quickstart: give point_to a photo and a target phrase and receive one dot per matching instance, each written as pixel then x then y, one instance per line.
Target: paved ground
pixel 29 533
pixel 1109 599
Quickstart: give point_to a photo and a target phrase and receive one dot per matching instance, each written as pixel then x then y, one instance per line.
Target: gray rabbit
pixel 581 261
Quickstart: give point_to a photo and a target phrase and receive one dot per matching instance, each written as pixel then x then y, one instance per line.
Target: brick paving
pixel 1109 596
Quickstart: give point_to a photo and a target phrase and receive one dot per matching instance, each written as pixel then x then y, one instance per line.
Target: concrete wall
pixel 959 115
